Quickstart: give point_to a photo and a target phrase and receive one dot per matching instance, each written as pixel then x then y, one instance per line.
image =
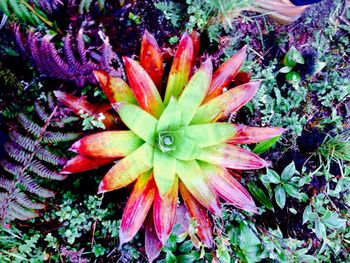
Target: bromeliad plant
pixel 174 144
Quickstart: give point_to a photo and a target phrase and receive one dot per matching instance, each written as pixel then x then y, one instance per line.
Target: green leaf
pixel 164 170
pixel 260 195
pixel 293 57
pixel 293 76
pixel 332 220
pixel 272 176
pixel 320 229
pixel 170 118
pixel 280 196
pixel 170 258
pixel 139 121
pixel 288 172
pixel 186 150
pixel 188 258
pixel 205 135
pixel 308 215
pixel 285 69
pixel 291 190
pixel 265 145
pixel 186 246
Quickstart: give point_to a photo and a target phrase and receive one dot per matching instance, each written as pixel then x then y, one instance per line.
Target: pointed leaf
pixel 171 117
pixel 151 59
pixel 195 181
pixel 226 73
pixel 140 122
pixel 137 207
pixel 247 134
pixel 81 163
pixel 228 188
pixel 205 135
pixel 81 105
pixel 128 169
pixel 230 156
pixel 109 144
pixel 164 211
pixel 230 101
pixel 194 92
pixel 186 150
pixel 164 168
pixel 195 36
pixel 116 89
pixel 143 88
pixel 180 69
pixel 199 213
pixel 264 146
pixel 153 245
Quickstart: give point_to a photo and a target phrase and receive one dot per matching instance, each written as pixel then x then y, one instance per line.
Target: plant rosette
pixel 174 144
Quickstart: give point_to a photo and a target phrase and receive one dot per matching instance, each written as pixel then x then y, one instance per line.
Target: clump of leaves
pixel 290 60
pixel 174 144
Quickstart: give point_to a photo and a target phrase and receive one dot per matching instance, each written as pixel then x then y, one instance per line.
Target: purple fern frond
pixel 63 63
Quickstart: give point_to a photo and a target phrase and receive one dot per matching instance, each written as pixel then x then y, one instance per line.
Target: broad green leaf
pixel 273 176
pixel 293 57
pixel 288 172
pixel 108 144
pixel 285 69
pixel 128 169
pixel 205 135
pixel 260 195
pixel 139 121
pixel 332 220
pixel 262 147
pixel 291 190
pixel 320 229
pixel 171 117
pixel 196 183
pixel 194 92
pixel 164 169
pixel 280 196
pixel 186 150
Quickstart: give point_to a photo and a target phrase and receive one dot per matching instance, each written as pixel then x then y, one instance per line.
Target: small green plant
pixel 291 59
pixel 286 184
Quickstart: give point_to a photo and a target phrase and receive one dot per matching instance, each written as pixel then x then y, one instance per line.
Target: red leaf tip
pixel 101 188
pixel 75 147
pixel 101 76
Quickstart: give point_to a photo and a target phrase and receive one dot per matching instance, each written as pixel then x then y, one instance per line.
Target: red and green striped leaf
pixel 194 92
pixel 81 105
pixel 195 181
pixel 247 134
pixel 137 207
pixel 228 188
pixel 230 101
pixel 151 59
pixel 164 169
pixel 109 144
pixel 180 71
pixel 116 89
pixel 139 121
pixel 205 135
pixel 81 163
pixel 199 213
pixel 153 245
pixel 128 169
pixel 225 74
pixel 233 157
pixel 143 88
pixel 164 211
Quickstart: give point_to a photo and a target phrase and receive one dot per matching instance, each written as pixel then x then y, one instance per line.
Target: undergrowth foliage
pixel 30 160
pixel 74 62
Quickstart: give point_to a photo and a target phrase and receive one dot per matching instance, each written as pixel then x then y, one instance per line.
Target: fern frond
pixel 63 63
pixel 30 161
pixel 56 137
pixel 38 168
pixel 29 125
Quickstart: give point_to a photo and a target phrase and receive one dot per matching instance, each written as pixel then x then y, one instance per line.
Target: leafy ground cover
pixel 303 197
